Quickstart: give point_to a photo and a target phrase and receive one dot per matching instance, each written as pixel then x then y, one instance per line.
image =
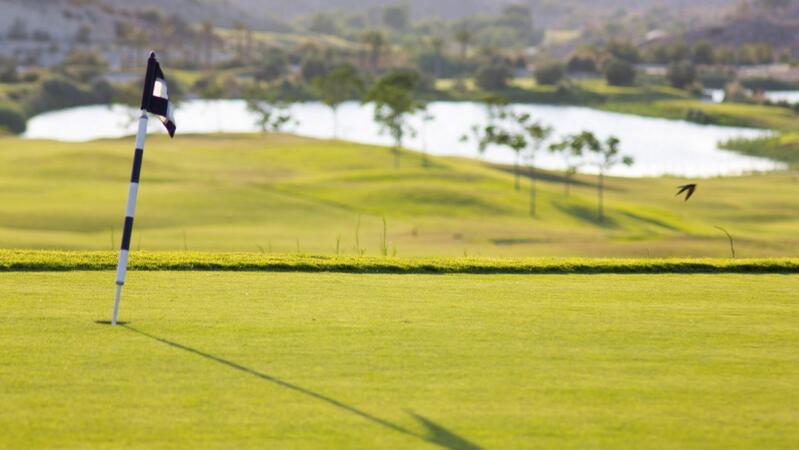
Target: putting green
pixel 322 360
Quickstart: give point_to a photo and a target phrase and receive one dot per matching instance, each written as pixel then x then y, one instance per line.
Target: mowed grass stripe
pixel 44 261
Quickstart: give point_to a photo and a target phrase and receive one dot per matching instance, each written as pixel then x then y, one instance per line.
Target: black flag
pixel 155 98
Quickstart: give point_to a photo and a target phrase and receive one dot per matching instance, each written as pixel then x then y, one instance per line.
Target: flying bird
pixel 689 188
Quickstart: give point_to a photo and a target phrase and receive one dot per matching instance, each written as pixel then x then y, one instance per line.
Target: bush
pixel 273 64
pixel 619 73
pixel 493 76
pixel 60 93
pixel 550 72
pixel 698 116
pixel 12 119
pixel 582 64
pixel 681 74
pixel 624 50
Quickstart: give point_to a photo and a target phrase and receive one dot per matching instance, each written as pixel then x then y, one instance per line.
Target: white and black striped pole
pixel 155 100
pixel 133 191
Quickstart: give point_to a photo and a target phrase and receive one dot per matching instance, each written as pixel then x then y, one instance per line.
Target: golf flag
pixel 155 100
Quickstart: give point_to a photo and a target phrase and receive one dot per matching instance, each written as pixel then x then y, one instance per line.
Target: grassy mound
pixel 285 194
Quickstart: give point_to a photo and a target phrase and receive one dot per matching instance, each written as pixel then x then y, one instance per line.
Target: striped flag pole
pixel 124 248
pixel 154 100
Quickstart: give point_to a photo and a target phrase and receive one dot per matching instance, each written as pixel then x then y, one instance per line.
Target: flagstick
pixel 122 265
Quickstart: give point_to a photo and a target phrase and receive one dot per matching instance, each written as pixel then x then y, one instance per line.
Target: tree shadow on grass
pixel 435 433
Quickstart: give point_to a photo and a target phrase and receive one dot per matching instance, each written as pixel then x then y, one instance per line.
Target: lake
pixel 659 146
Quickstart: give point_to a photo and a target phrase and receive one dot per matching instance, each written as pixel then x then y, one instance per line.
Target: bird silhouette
pixel 689 188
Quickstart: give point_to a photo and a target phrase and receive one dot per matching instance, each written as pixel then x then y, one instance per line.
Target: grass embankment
pixel 646 99
pixel 44 261
pixel 283 194
pixel 784 147
pixel 305 361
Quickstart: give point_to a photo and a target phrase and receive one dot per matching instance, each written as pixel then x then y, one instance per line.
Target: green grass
pixel 728 114
pixel 29 260
pixel 295 360
pixel 646 99
pixel 784 147
pixel 248 193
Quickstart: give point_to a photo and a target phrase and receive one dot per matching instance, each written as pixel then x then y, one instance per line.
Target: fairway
pixel 332 360
pixel 279 194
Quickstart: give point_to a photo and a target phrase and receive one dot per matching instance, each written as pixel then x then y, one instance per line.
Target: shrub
pixel 493 76
pixel 582 63
pixel 698 116
pixel 12 119
pixel 60 93
pixel 681 74
pixel 619 73
pixel 550 72
pixel 624 50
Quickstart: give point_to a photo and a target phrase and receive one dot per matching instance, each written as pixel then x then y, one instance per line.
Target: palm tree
pixel 209 40
pixel 437 43
pixel 375 41
pixel 464 37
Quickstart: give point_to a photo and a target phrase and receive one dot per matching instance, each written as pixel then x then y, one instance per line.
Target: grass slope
pixel 284 194
pixel 646 99
pixel 26 260
pixel 784 147
pixel 304 361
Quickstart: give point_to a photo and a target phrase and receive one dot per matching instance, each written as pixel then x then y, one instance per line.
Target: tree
pixel 496 108
pixel 571 150
pixel 83 35
pixel 125 38
pixel 536 133
pixel 679 51
pixel 493 76
pixel 12 120
pixel 375 41
pixel 607 156
pixel 496 134
pixel 463 36
pixel 681 74
pixel 549 72
pixel 339 85
pixel 624 50
pixel 703 53
pixel 427 117
pixel 619 73
pixel 313 66
pixel 396 17
pixel 209 42
pixel 774 5
pixel 18 30
pixel 273 65
pixel 8 70
pixel 323 23
pixel 394 101
pixel 437 44
pixel 582 63
pixel 271 111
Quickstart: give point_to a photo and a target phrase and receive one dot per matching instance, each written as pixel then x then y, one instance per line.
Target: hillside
pixel 283 194
pixel 64 17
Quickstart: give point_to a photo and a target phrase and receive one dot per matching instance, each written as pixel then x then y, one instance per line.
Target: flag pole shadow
pixel 435 433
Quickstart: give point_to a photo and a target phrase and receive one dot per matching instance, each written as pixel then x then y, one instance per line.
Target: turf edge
pixel 58 261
